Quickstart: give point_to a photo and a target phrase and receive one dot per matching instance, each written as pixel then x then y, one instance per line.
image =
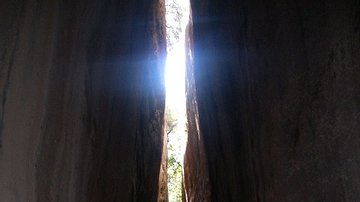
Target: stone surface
pixel 278 93
pixel 82 93
pixel 273 95
pixel 196 184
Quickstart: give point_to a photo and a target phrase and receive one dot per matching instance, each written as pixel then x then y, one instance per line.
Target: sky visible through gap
pixel 175 94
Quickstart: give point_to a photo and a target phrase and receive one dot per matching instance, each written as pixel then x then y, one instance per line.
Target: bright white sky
pixel 175 95
pixel 175 67
pixel 175 75
pixel 175 79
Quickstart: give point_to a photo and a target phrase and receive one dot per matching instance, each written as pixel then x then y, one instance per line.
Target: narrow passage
pixel 177 15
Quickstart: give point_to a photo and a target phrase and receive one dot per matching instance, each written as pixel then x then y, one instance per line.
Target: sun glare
pixel 175 94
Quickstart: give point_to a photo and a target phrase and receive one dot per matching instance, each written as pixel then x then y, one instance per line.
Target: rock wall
pixel 196 184
pixel 82 91
pixel 272 95
pixel 278 92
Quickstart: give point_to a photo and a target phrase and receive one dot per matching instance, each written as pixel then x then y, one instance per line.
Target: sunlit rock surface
pixel 196 178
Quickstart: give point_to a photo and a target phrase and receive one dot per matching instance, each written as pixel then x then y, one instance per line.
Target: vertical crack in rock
pixel 272 101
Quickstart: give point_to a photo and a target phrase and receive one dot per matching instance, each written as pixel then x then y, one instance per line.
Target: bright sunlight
pixel 177 15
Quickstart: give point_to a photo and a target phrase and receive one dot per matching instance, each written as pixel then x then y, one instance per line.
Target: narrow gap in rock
pixel 177 16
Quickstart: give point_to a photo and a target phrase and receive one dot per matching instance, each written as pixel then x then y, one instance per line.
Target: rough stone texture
pixel 196 184
pixel 163 188
pixel 82 91
pixel 273 100
pixel 278 94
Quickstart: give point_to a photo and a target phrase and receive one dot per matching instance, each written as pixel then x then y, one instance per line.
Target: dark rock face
pixel 82 100
pixel 273 97
pixel 278 93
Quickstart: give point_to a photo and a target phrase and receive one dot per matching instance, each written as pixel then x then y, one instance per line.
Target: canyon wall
pixel 82 90
pixel 278 94
pixel 196 184
pixel 273 96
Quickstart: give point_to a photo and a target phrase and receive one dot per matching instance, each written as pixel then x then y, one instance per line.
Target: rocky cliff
pixel 82 100
pixel 273 97
pixel 278 93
